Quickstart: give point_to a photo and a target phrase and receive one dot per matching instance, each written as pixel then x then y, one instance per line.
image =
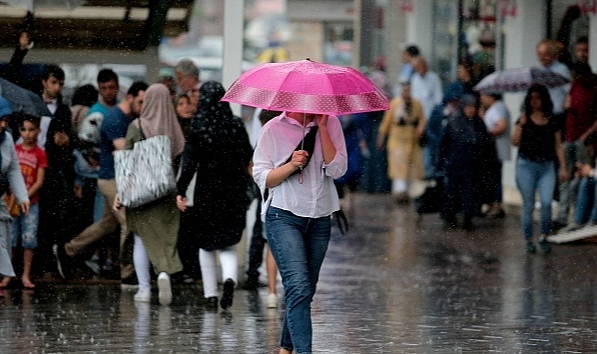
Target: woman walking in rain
pixel 155 224
pixel 539 142
pixel 218 149
pixel 298 184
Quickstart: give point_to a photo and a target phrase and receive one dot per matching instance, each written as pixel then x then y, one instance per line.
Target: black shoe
pixel 544 244
pixel 181 278
pixel 130 283
pixel 227 294
pixel 63 261
pixel 468 225
pixel 251 284
pixel 211 303
pixel 450 222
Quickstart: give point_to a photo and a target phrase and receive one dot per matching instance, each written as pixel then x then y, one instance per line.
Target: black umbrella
pixel 23 100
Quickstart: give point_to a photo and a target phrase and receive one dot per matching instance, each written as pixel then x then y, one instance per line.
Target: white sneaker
pixel 165 293
pixel 143 295
pixel 272 301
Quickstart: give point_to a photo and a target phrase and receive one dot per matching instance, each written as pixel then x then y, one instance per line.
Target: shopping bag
pixel 144 173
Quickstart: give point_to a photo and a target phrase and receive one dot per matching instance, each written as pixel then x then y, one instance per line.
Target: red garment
pixel 31 161
pixel 582 112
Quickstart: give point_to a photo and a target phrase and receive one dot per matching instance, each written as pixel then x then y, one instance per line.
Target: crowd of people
pixel 62 199
pixel 459 138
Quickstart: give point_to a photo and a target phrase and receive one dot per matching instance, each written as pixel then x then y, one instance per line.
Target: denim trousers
pixel 531 177
pixel 575 151
pixel 585 203
pixel 299 245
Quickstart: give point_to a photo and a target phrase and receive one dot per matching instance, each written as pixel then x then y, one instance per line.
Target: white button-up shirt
pixel 558 94
pixel 312 194
pixel 428 90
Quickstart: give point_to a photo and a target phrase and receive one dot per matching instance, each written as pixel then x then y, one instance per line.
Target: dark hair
pixel 546 103
pixel 582 69
pixel 582 39
pixel 413 50
pixel 496 96
pixel 136 87
pixel 53 70
pixel 106 75
pixel 24 117
pixel 85 95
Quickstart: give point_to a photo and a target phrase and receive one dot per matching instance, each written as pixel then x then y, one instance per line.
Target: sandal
pixel 27 284
pixel 5 281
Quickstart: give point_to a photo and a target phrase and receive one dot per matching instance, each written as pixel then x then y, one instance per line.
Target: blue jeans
pixel 575 151
pixel 25 227
pixel 587 192
pixel 534 176
pixel 298 245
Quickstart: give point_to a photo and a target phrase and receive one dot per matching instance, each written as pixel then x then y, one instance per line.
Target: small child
pixel 33 162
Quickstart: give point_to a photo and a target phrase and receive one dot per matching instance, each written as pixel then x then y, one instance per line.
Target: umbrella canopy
pixel 520 79
pixel 308 87
pixel 23 100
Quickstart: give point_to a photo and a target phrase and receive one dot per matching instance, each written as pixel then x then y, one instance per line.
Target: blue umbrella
pixel 23 100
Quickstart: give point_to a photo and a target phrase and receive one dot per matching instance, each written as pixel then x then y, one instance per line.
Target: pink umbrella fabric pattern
pixel 308 87
pixel 519 79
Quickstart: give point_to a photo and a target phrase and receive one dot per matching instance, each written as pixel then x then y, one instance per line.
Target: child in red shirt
pixel 33 162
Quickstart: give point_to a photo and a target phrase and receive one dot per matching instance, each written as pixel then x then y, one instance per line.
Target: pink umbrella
pixel 308 87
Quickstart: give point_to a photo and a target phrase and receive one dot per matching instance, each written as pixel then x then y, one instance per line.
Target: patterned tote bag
pixel 144 173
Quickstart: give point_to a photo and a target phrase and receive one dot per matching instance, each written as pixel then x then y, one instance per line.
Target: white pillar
pixel 419 26
pixel 521 34
pixel 233 44
pixel 231 69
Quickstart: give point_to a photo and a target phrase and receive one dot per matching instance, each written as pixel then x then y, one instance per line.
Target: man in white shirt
pixel 426 86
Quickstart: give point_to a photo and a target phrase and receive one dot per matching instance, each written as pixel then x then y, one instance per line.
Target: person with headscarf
pixel 10 176
pixel 401 130
pixel 465 153
pixel 219 151
pixel 155 224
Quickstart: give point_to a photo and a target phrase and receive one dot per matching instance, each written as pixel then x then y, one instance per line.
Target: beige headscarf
pixel 158 117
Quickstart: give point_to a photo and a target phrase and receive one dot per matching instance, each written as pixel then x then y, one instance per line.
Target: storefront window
pixel 338 43
pixel 481 35
pixel 466 29
pixel 445 44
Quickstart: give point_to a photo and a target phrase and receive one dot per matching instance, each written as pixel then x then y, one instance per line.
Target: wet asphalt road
pixel 391 285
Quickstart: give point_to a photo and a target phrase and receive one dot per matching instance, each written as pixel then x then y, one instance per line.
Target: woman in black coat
pixel 219 151
pixel 466 152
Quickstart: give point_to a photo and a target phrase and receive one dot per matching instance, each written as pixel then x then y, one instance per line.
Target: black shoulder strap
pixel 307 144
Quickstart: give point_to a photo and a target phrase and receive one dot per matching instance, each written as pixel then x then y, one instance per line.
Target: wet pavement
pixel 393 284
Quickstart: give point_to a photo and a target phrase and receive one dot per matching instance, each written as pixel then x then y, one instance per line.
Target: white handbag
pixel 144 173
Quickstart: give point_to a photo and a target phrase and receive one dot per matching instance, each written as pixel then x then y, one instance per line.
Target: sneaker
pixel 130 282
pixel 530 248
pixel 61 260
pixel 93 266
pixel 272 301
pixel 143 295
pixel 544 244
pixel 573 226
pixel 227 294
pixel 165 293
